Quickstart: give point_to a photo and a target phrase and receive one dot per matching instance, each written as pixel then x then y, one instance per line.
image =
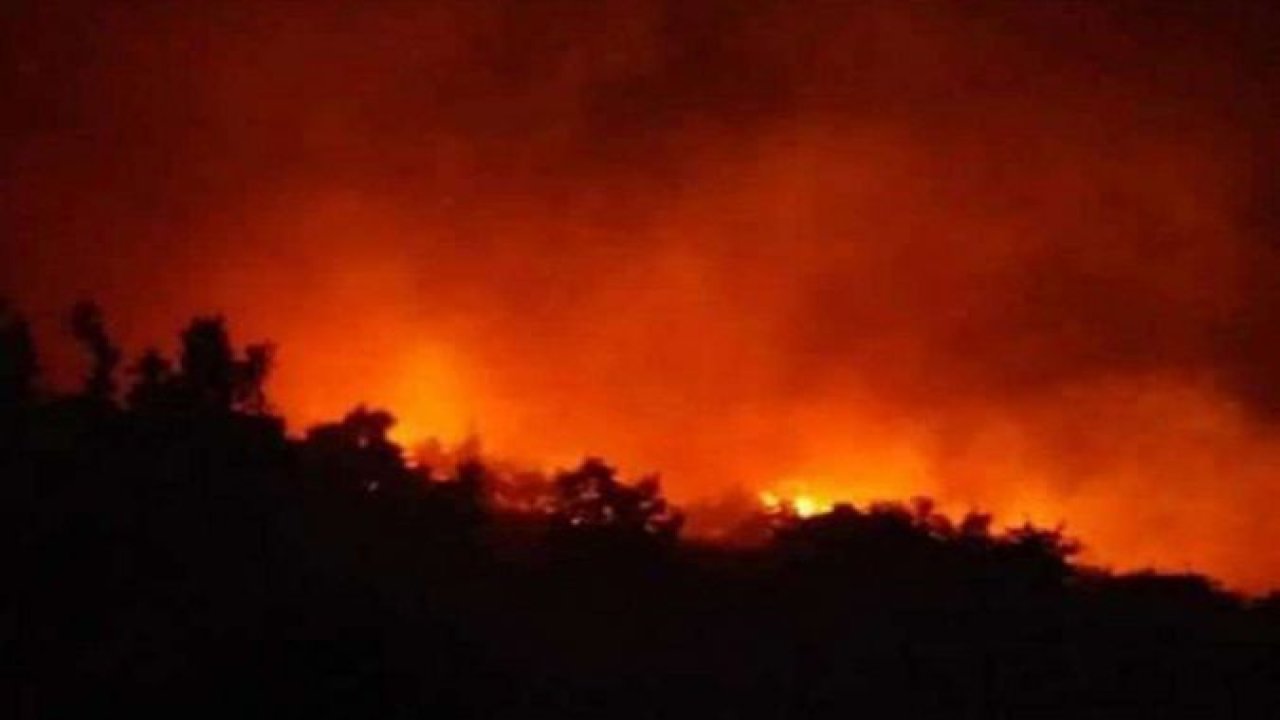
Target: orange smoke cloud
pixel 1012 256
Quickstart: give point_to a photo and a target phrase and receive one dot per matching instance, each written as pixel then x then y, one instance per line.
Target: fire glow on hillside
pixel 1019 258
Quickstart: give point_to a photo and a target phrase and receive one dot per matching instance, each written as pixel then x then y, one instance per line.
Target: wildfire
pixel 800 504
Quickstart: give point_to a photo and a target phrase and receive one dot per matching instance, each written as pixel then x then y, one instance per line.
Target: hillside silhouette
pixel 174 549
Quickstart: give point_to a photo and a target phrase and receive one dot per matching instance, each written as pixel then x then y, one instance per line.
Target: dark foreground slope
pixel 179 552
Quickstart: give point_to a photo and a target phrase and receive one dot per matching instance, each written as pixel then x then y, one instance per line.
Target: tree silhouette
pixel 1038 555
pixel 210 377
pixel 18 366
pixel 250 377
pixel 154 387
pixel 208 363
pixel 87 327
pixel 591 497
pixel 357 448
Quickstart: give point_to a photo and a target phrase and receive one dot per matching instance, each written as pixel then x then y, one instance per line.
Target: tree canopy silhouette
pixel 89 329
pixel 592 498
pixel 211 376
pixel 18 367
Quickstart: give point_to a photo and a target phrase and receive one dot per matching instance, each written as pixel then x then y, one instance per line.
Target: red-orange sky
pixel 1016 255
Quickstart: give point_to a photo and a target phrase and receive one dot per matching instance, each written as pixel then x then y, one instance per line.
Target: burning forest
pixel 846 310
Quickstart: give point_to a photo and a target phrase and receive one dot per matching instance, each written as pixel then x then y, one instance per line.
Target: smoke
pixel 1018 256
